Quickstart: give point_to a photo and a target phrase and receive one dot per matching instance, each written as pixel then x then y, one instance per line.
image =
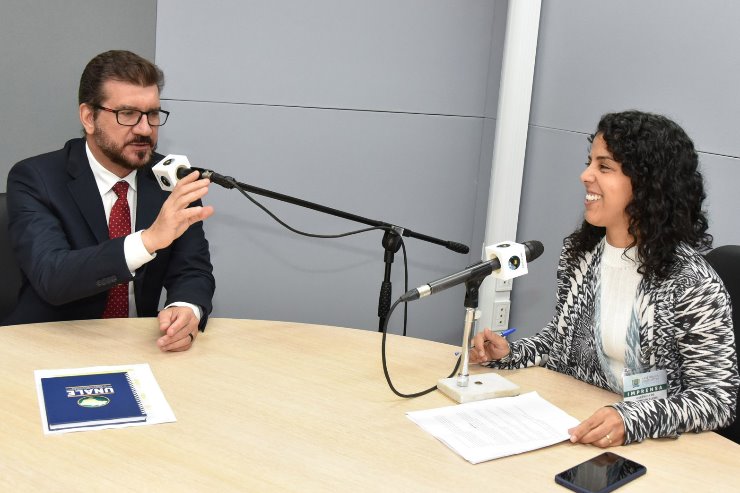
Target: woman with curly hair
pixel 635 297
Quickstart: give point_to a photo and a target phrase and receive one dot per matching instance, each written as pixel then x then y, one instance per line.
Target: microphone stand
pixel 486 385
pixel 391 239
pixel 391 243
pixel 472 288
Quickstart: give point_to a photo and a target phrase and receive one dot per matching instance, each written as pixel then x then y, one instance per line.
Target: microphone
pixel 457 247
pixel 174 167
pixel 513 267
pixel 224 181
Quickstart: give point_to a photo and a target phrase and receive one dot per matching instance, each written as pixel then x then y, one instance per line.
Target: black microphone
pixel 224 181
pixel 533 249
pixel 457 247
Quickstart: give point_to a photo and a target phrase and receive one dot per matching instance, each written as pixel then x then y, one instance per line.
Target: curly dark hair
pixel 667 189
pixel 120 65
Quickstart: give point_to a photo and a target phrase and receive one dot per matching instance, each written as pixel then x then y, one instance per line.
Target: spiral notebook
pixel 77 401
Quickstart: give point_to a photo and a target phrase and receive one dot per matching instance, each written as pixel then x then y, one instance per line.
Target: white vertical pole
pixel 510 141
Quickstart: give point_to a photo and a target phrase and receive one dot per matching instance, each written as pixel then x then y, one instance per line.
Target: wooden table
pixel 275 406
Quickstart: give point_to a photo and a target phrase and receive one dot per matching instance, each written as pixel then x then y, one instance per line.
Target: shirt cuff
pixel 195 308
pixel 135 252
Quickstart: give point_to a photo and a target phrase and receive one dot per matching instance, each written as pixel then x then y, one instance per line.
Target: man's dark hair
pixel 667 189
pixel 120 65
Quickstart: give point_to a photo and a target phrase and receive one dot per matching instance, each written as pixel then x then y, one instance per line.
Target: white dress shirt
pixel 134 250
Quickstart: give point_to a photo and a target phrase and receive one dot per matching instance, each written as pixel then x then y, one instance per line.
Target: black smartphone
pixel 605 472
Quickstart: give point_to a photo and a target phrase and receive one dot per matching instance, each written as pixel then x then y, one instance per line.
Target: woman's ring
pixel 608 438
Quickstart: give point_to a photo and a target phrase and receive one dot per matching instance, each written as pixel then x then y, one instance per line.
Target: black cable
pixel 385 364
pixel 341 235
pixel 311 235
pixel 405 288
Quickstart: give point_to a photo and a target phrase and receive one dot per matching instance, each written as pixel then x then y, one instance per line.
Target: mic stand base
pixel 481 386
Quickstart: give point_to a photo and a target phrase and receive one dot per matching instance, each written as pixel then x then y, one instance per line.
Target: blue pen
pixel 507 332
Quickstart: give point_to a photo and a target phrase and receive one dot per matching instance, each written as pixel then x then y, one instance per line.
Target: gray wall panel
pixel 427 56
pixel 342 104
pixel 417 171
pixel 677 57
pixel 44 47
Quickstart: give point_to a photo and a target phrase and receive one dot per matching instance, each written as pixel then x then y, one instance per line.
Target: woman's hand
pixel 487 346
pixel 603 429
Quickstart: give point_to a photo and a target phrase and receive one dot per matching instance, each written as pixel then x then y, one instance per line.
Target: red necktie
pixel 119 225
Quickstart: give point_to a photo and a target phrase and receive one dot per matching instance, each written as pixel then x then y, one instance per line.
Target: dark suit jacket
pixel 59 234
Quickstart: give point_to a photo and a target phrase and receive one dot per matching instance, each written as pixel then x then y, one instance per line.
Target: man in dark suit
pixel 71 211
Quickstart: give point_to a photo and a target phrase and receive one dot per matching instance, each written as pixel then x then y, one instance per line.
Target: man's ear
pixel 87 118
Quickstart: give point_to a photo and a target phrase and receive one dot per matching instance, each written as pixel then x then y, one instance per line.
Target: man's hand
pixel 603 429
pixel 179 326
pixel 175 217
pixel 488 346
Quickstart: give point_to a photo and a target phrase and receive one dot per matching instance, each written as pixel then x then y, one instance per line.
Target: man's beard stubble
pixel 114 152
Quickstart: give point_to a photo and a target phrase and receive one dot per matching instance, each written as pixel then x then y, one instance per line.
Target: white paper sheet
pixel 485 430
pixel 156 406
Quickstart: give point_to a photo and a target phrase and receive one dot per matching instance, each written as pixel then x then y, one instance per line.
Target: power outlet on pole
pixel 501 314
pixel 504 284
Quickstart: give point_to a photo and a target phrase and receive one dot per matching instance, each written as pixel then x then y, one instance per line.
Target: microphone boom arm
pixel 451 245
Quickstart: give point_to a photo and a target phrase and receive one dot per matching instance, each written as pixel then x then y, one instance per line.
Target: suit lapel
pixel 85 191
pixel 147 198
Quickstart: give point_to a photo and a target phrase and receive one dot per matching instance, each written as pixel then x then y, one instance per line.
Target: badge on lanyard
pixel 640 385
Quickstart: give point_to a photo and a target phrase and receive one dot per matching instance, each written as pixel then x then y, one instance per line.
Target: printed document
pixel 485 430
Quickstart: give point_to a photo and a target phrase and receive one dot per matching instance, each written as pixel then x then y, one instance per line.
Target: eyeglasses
pixel 131 118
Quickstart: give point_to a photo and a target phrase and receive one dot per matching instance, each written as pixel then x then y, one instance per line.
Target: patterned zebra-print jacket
pixel 685 328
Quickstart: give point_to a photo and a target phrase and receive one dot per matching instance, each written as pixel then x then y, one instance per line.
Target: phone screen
pixel 603 473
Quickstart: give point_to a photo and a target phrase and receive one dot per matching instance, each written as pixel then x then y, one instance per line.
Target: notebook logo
pixel 91 396
pixel 96 401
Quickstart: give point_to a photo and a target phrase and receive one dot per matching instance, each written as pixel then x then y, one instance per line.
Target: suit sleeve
pixel 58 271
pixel 189 275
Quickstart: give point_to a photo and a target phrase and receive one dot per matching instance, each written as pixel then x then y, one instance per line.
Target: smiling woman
pixel 637 302
pixel 666 187
pixel 608 191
